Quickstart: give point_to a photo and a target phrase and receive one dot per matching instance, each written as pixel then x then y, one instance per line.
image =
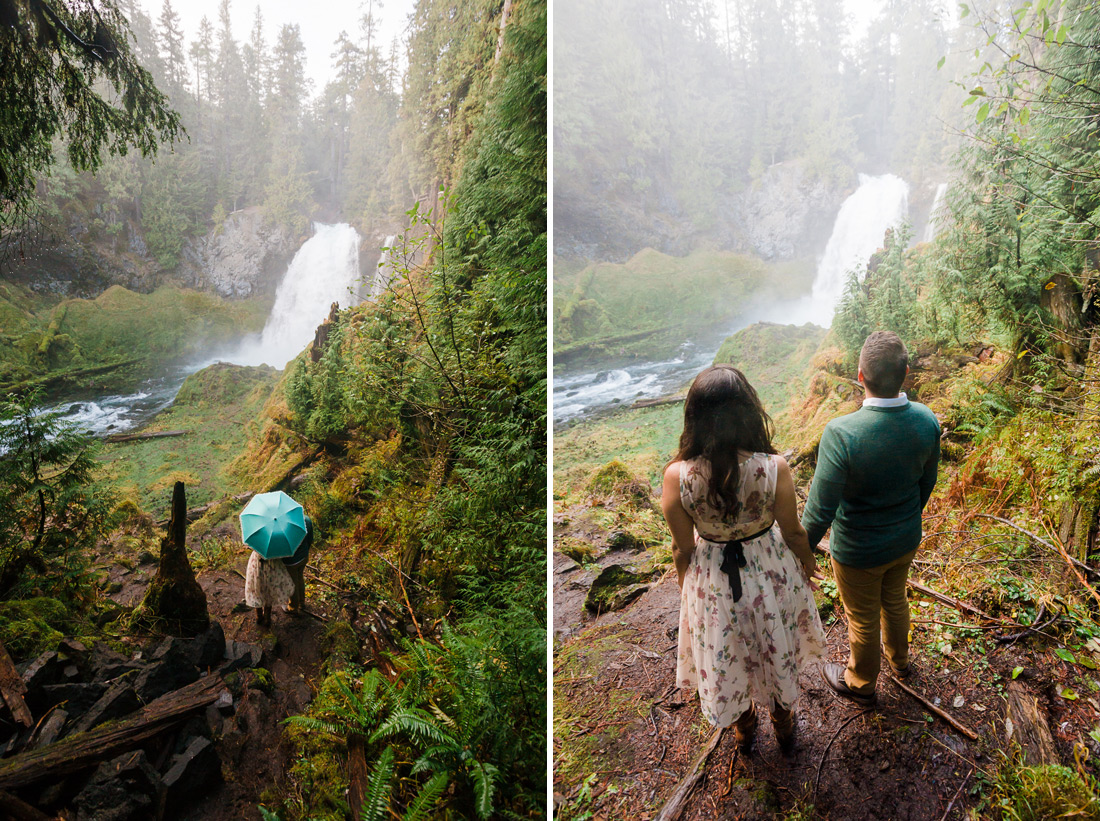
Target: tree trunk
pixel 1029 726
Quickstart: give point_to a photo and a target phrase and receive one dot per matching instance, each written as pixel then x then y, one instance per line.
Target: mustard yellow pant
pixel 878 614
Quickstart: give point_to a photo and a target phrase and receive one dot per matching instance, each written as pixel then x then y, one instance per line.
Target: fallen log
pixel 133 437
pixel 12 688
pixel 950 602
pixel 653 403
pixel 83 750
pixel 946 716
pixel 52 379
pixel 675 804
pixel 1028 726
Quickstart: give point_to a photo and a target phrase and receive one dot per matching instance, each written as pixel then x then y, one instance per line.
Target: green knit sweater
pixel 875 471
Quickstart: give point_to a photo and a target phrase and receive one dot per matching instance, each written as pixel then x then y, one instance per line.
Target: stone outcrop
pixel 244 256
pixel 787 211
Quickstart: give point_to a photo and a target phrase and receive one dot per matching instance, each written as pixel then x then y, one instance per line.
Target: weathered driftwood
pixel 85 749
pixel 12 688
pixel 946 716
pixel 679 798
pixel 133 437
pixel 1029 726
pixel 653 403
pixel 15 809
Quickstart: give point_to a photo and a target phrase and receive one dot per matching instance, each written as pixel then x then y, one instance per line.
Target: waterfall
pixel 935 218
pixel 383 276
pixel 325 270
pixel 879 203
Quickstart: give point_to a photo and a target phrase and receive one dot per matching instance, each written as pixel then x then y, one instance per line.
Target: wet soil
pixel 625 736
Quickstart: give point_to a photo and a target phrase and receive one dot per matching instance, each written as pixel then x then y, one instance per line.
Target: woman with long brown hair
pixel 748 622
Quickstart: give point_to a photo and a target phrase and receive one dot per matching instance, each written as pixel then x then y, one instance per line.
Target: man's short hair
pixel 884 361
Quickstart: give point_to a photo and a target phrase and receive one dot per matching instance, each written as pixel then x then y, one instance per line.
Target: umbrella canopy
pixel 273 525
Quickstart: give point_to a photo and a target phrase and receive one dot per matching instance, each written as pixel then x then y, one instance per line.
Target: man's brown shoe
pixel 905 672
pixel 834 677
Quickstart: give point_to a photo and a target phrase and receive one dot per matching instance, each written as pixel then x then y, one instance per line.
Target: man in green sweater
pixel 875 471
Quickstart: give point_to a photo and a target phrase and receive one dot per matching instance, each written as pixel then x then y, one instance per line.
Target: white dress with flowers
pixel 266 583
pixel 751 649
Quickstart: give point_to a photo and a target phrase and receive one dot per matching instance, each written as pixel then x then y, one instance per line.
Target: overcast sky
pixel 321 21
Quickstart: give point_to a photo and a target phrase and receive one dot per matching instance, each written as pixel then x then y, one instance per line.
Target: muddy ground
pixel 624 736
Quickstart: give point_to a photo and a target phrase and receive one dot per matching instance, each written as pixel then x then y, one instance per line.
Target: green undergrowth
pixel 1018 792
pixel 107 342
pixel 638 306
pixel 775 359
pixel 219 407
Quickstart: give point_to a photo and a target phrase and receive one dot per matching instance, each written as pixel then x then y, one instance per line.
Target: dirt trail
pixel 624 736
pixel 253 752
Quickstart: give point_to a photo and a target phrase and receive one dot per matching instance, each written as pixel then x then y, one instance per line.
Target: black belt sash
pixel 733 558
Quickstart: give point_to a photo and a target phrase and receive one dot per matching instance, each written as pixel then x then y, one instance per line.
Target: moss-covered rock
pixel 31 626
pixel 615 588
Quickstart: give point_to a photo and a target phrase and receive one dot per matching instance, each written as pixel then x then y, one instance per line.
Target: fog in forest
pixel 722 163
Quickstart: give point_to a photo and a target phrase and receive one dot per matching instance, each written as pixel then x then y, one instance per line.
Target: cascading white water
pixel 383 276
pixel 879 203
pixel 325 270
pixel 935 215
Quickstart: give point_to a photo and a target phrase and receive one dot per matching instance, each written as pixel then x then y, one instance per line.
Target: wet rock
pixel 119 700
pixel 77 697
pixel 623 540
pixel 49 730
pixel 208 648
pixel 224 704
pixel 614 589
pixel 46 669
pixel 169 669
pixel 122 789
pixel 192 774
pixel 107 664
pixel 241 654
pixel 145 557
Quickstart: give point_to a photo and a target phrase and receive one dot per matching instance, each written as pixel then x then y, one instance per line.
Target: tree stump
pixel 175 602
pixel 1029 726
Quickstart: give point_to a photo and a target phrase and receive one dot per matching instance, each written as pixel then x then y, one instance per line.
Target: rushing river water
pixel 879 203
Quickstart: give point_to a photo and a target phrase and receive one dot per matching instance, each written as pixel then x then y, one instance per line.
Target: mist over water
pixel 935 214
pixel 879 203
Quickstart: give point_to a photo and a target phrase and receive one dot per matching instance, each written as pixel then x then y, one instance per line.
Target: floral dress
pixel 735 652
pixel 266 583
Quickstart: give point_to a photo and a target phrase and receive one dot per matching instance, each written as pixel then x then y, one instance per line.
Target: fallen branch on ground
pixel 946 716
pixel 134 437
pixel 825 752
pixel 12 688
pixel 82 750
pixel 675 804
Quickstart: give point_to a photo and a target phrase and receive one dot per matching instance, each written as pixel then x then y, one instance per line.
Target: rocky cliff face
pixel 787 213
pixel 245 256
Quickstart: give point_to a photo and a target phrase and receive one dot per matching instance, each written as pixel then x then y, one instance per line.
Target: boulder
pixel 240 655
pixel 169 668
pixel 119 700
pixel 208 648
pixel 615 588
pixel 46 669
pixel 192 774
pixel 122 789
pixel 78 697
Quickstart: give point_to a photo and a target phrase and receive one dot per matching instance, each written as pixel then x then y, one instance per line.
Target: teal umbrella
pixel 273 525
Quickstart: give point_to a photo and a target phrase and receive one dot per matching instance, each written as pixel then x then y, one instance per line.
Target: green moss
pixel 604 480
pixel 1023 793
pixel 339 644
pixel 31 626
pixel 640 305
pixel 578 550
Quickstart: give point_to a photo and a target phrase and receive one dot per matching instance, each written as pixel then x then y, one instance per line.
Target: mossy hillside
pixel 220 408
pixel 644 305
pixel 774 358
pixel 147 331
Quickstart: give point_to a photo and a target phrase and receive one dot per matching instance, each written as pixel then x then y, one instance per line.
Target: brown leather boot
pixel 744 729
pixel 783 722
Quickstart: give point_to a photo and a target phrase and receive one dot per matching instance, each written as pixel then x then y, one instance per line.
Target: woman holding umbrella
pixel 273 525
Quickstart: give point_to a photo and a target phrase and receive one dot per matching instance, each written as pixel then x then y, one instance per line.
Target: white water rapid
pixel 325 270
pixel 879 203
pixel 935 215
pixel 384 274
